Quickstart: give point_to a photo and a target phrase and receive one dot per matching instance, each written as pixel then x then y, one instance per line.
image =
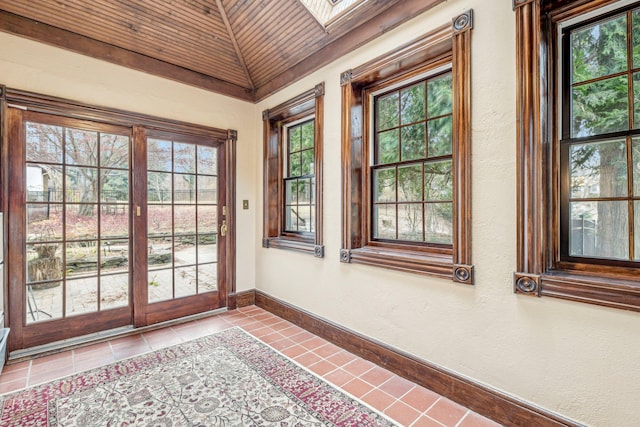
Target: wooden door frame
pixel 23 100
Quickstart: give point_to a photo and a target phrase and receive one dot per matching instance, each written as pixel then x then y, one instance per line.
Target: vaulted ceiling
pixel 246 49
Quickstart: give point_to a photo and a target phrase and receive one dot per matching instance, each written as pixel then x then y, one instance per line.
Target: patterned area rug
pixel 225 379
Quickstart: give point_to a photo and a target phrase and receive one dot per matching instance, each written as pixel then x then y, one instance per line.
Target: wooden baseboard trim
pixel 245 298
pixel 484 400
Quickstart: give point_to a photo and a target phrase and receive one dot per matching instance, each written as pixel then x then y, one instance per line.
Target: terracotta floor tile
pixel 313 343
pixel 338 377
pixel 254 326
pixel 327 350
pixel 397 386
pixel 101 346
pixel 342 358
pixel 358 367
pixel 447 412
pixel 215 323
pixel 474 420
pixel 282 344
pixel 307 359
pixel 291 331
pixel 192 333
pixel 402 413
pixel 357 387
pixel 376 376
pixel 124 352
pixel 16 374
pixel 322 367
pixel 271 338
pixel 163 342
pixel 54 359
pixel 272 321
pixel 264 316
pixel 420 398
pixel 16 366
pixel 126 340
pixel 48 375
pixel 94 362
pixel 302 336
pixel 294 351
pixel 283 325
pixel 17 370
pixel 378 399
pixel 425 421
pixel 263 331
pixel 9 386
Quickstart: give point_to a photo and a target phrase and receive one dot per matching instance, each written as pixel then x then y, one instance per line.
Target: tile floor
pixel 405 402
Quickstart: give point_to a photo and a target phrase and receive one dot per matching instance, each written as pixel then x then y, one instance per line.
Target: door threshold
pixel 97 337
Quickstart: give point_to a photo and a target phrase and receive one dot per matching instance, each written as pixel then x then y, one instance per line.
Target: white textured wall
pixel 40 68
pixel 580 360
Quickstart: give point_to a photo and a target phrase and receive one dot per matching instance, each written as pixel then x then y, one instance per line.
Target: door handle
pixel 223 228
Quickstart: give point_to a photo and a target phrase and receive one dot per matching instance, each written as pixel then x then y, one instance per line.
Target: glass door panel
pixel 77 227
pixel 182 211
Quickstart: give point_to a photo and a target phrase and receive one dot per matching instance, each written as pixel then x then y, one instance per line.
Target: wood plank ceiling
pixel 246 49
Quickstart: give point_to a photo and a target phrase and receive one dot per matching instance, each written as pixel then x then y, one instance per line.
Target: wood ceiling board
pixel 271 36
pixel 168 33
pixel 360 35
pixel 44 33
pixel 272 43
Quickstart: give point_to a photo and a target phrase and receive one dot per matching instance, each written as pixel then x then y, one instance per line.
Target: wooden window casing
pixel 445 47
pixel 277 121
pixel 544 265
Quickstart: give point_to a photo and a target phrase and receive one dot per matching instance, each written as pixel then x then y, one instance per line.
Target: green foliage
pixel 387 111
pixel 600 169
pixel 599 51
pixel 412 104
pixel 388 145
pixel 440 96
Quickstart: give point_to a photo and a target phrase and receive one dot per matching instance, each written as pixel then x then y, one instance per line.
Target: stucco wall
pixel 575 359
pixel 43 69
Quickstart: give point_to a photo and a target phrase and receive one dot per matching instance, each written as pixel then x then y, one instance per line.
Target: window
pixel 600 199
pixel 299 179
pixel 579 235
pixel 406 157
pixel 411 168
pixel 293 174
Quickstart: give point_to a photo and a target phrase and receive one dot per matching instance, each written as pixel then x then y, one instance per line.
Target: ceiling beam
pixel 232 36
pixel 51 35
pixel 358 36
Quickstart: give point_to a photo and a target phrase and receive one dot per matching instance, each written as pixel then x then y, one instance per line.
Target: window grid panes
pixel 77 222
pixel 182 193
pixel 299 180
pixel 600 148
pixel 411 174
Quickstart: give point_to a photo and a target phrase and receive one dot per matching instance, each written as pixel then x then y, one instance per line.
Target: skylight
pixel 328 12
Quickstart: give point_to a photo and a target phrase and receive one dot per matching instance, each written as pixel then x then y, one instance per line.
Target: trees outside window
pixel 600 148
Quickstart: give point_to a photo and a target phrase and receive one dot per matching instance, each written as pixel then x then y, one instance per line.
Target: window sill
pixel 410 261
pixel 294 245
pixel 587 288
pixel 610 292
